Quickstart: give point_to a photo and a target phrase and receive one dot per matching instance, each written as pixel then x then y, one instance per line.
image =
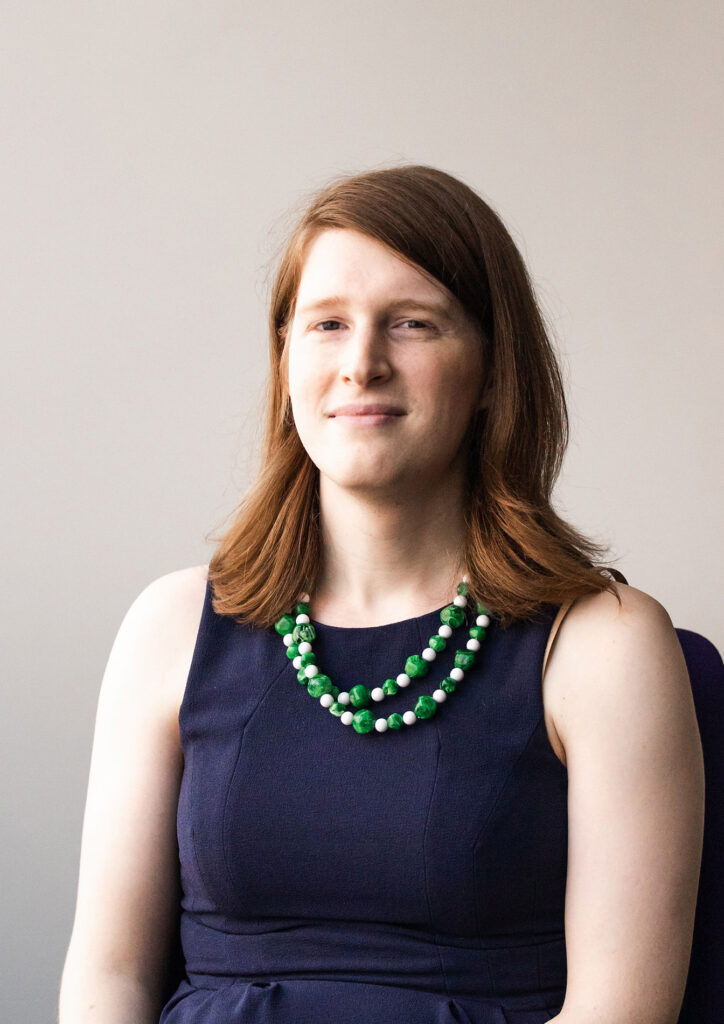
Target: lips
pixel 375 409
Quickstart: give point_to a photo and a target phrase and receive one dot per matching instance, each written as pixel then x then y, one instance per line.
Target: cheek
pixel 456 398
pixel 309 380
pixel 304 387
pixel 297 375
pixel 450 384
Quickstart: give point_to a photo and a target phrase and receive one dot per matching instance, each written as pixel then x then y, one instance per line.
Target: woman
pixel 466 822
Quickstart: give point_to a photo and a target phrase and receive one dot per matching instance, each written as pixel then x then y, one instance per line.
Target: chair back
pixel 704 995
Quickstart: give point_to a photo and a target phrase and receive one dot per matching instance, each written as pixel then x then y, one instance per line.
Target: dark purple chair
pixel 704 996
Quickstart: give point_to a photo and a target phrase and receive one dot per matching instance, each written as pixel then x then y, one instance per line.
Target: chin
pixel 358 475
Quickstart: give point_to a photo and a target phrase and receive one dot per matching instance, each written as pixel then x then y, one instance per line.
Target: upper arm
pixel 127 890
pixel 626 717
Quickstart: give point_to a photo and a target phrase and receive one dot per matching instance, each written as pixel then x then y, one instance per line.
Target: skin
pixel 618 704
pixel 617 688
pixel 390 495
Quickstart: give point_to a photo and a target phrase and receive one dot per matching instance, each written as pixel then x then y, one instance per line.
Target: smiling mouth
pixel 367 418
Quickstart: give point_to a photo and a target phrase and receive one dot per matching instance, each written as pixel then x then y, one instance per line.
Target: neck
pixel 386 560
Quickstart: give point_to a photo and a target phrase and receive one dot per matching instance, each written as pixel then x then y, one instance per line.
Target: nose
pixel 365 355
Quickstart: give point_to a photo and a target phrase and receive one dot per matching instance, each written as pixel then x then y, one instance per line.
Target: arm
pixel 127 899
pixel 625 714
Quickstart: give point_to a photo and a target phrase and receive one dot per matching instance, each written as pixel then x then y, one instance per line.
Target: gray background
pixel 152 153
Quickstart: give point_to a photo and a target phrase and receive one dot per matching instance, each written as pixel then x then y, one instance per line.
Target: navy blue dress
pixel 408 877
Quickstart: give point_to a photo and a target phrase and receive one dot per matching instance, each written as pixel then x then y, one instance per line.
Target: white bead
pixel 429 654
pixel 303 599
pixel 473 644
pixel 343 697
pixel 482 620
pixel 460 600
pixel 381 725
pixel 346 718
pixel 439 696
pixel 466 578
pixel 302 617
pixel 311 671
pixel 403 679
pixel 445 631
pixel 457 674
pixel 288 639
pixel 297 662
pixel 409 718
pixel 378 693
pixel 326 699
pixel 304 647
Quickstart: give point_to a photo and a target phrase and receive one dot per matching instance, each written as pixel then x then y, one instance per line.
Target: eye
pixel 322 322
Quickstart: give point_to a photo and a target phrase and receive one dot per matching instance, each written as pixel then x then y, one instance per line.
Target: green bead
pixel 302 608
pixel 394 721
pixel 292 651
pixel 359 695
pixel 452 615
pixel 337 709
pixel 462 588
pixel 319 684
pixel 302 676
pixel 335 692
pixel 390 687
pixel 416 667
pixel 464 659
pixel 482 610
pixel 425 707
pixel 448 684
pixel 285 625
pixel 478 632
pixel 363 721
pixel 303 631
pixel 308 658
pixel 438 643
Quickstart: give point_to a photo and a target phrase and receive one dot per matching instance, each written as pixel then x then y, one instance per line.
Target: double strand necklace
pixel 298 633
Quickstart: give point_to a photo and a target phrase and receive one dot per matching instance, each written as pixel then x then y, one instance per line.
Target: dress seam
pixel 506 780
pixel 232 775
pixel 433 929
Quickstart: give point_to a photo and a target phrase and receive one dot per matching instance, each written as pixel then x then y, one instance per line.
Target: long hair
pixel 518 553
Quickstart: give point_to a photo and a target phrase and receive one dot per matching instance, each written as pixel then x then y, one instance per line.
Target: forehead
pixel 343 262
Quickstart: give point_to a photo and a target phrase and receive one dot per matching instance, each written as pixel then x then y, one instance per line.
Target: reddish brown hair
pixel 518 553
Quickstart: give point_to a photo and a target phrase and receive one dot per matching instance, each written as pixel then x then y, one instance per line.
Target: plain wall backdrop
pixel 152 153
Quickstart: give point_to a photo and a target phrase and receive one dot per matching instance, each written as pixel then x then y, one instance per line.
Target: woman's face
pixel 370 328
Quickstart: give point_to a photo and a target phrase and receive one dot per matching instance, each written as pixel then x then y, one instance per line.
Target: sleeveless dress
pixel 414 876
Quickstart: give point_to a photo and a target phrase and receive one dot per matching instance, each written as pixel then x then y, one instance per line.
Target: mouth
pixel 367 419
pixel 367 409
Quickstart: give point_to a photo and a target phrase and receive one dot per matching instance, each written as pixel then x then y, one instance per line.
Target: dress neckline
pixel 327 627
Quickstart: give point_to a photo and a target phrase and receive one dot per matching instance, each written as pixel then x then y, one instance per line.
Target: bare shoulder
pixel 635 623
pixel 156 640
pixel 178 592
pixel 127 901
pixel 174 605
pixel 609 650
pixel 169 607
pixel 624 710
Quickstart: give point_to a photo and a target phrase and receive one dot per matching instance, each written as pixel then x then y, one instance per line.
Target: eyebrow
pixel 442 308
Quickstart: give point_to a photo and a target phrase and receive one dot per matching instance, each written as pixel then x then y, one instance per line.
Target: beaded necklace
pixel 298 633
